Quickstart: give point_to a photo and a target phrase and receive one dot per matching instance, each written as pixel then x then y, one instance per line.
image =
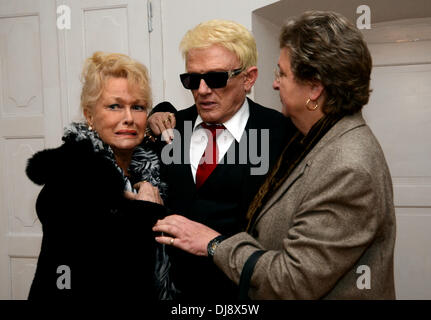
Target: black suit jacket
pixel 222 201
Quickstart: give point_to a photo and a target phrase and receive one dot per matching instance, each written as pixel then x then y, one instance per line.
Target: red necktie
pixel 209 159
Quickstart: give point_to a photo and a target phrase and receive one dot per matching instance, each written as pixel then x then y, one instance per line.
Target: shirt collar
pixel 234 125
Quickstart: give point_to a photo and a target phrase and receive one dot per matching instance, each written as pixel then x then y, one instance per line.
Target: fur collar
pixel 145 164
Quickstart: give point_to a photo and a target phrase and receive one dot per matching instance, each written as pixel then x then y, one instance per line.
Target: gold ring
pixel 172 241
pixel 166 120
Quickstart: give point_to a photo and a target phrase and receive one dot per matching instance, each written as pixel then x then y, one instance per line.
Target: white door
pixel 399 113
pixel 40 67
pixel 108 25
pixel 30 120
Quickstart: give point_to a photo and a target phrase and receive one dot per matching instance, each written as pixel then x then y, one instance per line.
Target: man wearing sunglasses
pixel 220 58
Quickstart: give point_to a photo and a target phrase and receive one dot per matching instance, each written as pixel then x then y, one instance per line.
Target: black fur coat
pixel 105 240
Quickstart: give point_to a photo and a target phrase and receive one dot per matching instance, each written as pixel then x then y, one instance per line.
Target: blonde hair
pixel 231 35
pixel 103 65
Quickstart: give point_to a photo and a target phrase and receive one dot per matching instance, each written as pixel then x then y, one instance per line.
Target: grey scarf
pixel 145 164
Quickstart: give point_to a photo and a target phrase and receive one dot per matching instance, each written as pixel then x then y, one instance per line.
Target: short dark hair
pixel 325 46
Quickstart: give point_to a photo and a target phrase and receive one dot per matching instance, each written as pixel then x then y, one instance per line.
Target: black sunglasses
pixel 213 79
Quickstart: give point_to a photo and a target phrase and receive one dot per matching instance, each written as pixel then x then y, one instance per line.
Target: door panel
pixel 99 25
pixel 29 99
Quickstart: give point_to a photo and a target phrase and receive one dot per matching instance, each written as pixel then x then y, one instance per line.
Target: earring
pixel 90 127
pixel 311 109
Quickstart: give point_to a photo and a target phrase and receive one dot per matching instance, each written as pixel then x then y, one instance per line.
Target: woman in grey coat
pixel 322 226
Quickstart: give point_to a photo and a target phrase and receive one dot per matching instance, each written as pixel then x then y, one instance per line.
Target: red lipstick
pixel 127 132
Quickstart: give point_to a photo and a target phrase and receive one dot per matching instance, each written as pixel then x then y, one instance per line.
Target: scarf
pixel 293 153
pixel 145 165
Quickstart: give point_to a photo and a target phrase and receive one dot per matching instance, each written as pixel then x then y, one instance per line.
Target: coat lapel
pixel 344 125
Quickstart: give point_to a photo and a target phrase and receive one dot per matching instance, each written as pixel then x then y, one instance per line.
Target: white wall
pixel 180 16
pixel 266 33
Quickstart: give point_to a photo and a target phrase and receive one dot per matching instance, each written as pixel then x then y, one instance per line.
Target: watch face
pixel 212 246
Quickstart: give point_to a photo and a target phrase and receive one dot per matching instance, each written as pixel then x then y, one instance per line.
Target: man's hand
pixel 162 123
pixel 188 235
pixel 146 192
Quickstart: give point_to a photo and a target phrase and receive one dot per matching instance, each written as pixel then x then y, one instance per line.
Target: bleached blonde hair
pixel 103 65
pixel 229 34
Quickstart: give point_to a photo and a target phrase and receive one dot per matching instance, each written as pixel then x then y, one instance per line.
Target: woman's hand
pixel 162 123
pixel 185 234
pixel 146 192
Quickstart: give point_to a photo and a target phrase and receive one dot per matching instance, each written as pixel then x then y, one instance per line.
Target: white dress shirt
pixel 235 127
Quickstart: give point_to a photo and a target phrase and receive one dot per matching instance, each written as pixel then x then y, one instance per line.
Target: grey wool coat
pixel 329 231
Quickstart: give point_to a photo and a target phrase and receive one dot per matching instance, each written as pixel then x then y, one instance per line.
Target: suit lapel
pixel 184 171
pixel 233 151
pixel 241 170
pixel 248 185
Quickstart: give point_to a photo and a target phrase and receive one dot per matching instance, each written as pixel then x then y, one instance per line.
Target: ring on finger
pixel 172 241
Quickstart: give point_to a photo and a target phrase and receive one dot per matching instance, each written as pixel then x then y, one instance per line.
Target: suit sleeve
pixel 333 225
pixel 164 106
